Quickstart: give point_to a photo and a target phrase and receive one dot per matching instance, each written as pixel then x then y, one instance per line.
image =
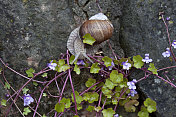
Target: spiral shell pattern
pixel 100 30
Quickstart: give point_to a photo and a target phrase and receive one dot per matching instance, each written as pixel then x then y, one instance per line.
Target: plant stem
pixel 69 74
pixel 18 72
pixel 97 2
pixel 63 89
pixel 44 89
pixel 168 35
pixel 166 68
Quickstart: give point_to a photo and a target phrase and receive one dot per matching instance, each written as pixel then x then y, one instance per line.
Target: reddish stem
pixel 69 74
pixel 44 89
pixel 168 35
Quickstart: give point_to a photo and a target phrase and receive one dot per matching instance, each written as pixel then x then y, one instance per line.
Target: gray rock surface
pixel 34 32
pixel 142 32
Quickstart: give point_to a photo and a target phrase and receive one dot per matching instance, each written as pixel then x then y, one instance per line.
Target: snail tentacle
pixel 85 55
pixel 99 27
pixel 76 57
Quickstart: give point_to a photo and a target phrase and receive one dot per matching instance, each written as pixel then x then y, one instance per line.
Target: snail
pixel 99 27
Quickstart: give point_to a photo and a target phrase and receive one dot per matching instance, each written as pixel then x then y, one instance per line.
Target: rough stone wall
pixel 32 32
pixel 142 32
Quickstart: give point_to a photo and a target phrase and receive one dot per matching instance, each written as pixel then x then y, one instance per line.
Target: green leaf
pixel 118 89
pixel 114 101
pixel 66 102
pixel 108 100
pixel 71 59
pixel 3 102
pixel 151 109
pixel 90 82
pixel 107 61
pixel 75 116
pixel 26 111
pixel 0 70
pixel 79 98
pixel 123 102
pixel 130 106
pixel 119 78
pixel 59 107
pixel 88 39
pixel 44 75
pixel 79 107
pixel 117 94
pixel 86 96
pixel 171 22
pixel 116 62
pixel 30 72
pixel 94 68
pixel 116 77
pixel 90 108
pixel 63 67
pixel 108 112
pixel 61 62
pixel 93 97
pixel 86 64
pixel 109 84
pixel 152 69
pixel 7 85
pixel 138 63
pixel 143 112
pixel 123 83
pixel 25 90
pixel 106 92
pixel 35 83
pixel 44 115
pixel 143 108
pixel 150 104
pixel 76 69
pixel 44 94
pixel 97 109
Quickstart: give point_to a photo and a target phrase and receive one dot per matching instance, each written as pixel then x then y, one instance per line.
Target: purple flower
pixel 168 18
pixel 116 115
pixel 147 59
pixel 126 65
pixel 174 43
pixel 52 65
pixel 134 80
pixel 167 53
pixel 27 99
pixel 80 62
pixel 131 85
pixel 132 92
pixel 7 95
pixel 112 65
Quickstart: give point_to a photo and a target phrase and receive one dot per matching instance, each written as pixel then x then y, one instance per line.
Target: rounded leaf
pixel 108 112
pixel 94 68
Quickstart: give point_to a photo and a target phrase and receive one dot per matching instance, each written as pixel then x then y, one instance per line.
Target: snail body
pixel 99 27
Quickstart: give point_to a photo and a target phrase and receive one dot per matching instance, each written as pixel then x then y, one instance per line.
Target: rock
pixel 142 32
pixel 82 3
pixel 34 32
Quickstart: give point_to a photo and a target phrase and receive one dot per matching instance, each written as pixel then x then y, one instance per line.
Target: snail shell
pixel 99 27
pixel 100 30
